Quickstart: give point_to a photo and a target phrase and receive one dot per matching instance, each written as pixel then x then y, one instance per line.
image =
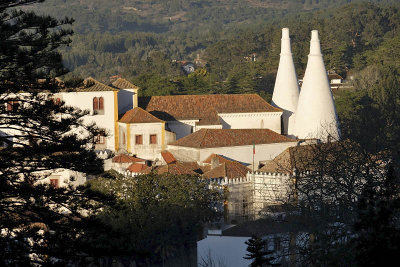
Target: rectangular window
pixel 153 139
pixel 54 183
pixel 100 139
pixel 139 139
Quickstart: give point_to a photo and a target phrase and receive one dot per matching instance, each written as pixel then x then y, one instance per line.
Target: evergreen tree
pixel 39 224
pixel 258 252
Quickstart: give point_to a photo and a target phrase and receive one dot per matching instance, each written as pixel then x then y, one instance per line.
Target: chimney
pixel 135 101
pixel 286 90
pixel 316 114
pixel 214 162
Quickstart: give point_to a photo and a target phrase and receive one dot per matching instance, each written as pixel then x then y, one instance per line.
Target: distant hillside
pixel 145 40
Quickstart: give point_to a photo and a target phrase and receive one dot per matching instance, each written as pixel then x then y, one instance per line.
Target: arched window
pixel 95 103
pixel 101 103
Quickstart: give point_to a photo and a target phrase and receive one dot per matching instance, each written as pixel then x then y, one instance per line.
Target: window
pixel 139 139
pixel 123 139
pixel 153 139
pixel 57 101
pixel 54 183
pixel 101 103
pixel 100 139
pixel 12 105
pixel 98 105
pixel 95 103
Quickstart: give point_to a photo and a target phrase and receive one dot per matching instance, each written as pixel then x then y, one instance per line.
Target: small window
pixel 101 103
pixel 139 139
pixel 58 101
pixel 54 183
pixel 123 139
pixel 100 139
pixel 153 139
pixel 95 103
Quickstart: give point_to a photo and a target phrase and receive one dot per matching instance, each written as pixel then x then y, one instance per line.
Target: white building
pixel 143 134
pixel 237 144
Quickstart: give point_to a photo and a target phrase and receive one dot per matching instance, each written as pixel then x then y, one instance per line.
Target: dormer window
pixel 98 105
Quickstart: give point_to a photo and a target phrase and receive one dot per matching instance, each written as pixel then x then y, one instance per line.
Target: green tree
pixel 155 215
pixel 39 224
pixel 258 252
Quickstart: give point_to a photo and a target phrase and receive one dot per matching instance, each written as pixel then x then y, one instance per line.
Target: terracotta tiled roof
pixel 123 158
pixel 207 138
pixel 300 157
pixel 138 115
pixel 121 83
pixel 221 159
pixel 168 157
pixel 91 85
pixel 204 107
pixel 229 169
pixel 137 167
pixel 178 168
pixel 334 76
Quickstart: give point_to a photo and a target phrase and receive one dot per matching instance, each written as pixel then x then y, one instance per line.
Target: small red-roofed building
pixel 123 161
pixel 143 134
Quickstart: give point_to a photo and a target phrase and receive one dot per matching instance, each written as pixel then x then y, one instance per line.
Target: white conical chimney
pixel 286 90
pixel 316 114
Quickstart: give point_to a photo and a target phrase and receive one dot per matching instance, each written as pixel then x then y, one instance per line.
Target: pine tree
pixel 258 252
pixel 39 224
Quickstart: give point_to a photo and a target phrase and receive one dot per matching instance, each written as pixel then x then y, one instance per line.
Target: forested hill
pixel 141 39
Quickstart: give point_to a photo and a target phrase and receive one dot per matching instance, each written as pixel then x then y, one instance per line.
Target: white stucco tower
pixel 286 90
pixel 316 114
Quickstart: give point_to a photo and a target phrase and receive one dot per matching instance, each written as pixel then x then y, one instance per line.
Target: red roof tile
pixel 91 85
pixel 138 115
pixel 229 169
pixel 204 107
pixel 137 167
pixel 168 157
pixel 121 83
pixel 207 138
pixel 178 168
pixel 221 159
pixel 123 158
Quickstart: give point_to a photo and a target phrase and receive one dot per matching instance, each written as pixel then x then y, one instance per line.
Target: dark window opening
pixel 139 139
pixel 153 139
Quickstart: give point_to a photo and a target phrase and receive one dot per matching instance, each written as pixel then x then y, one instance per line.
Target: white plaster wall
pixel 84 101
pixel 270 189
pixel 122 130
pixel 223 251
pixel 65 177
pixel 170 137
pixel 245 153
pixel 258 120
pixel 239 153
pixel 146 150
pixel 199 127
pixel 185 154
pixel 182 128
